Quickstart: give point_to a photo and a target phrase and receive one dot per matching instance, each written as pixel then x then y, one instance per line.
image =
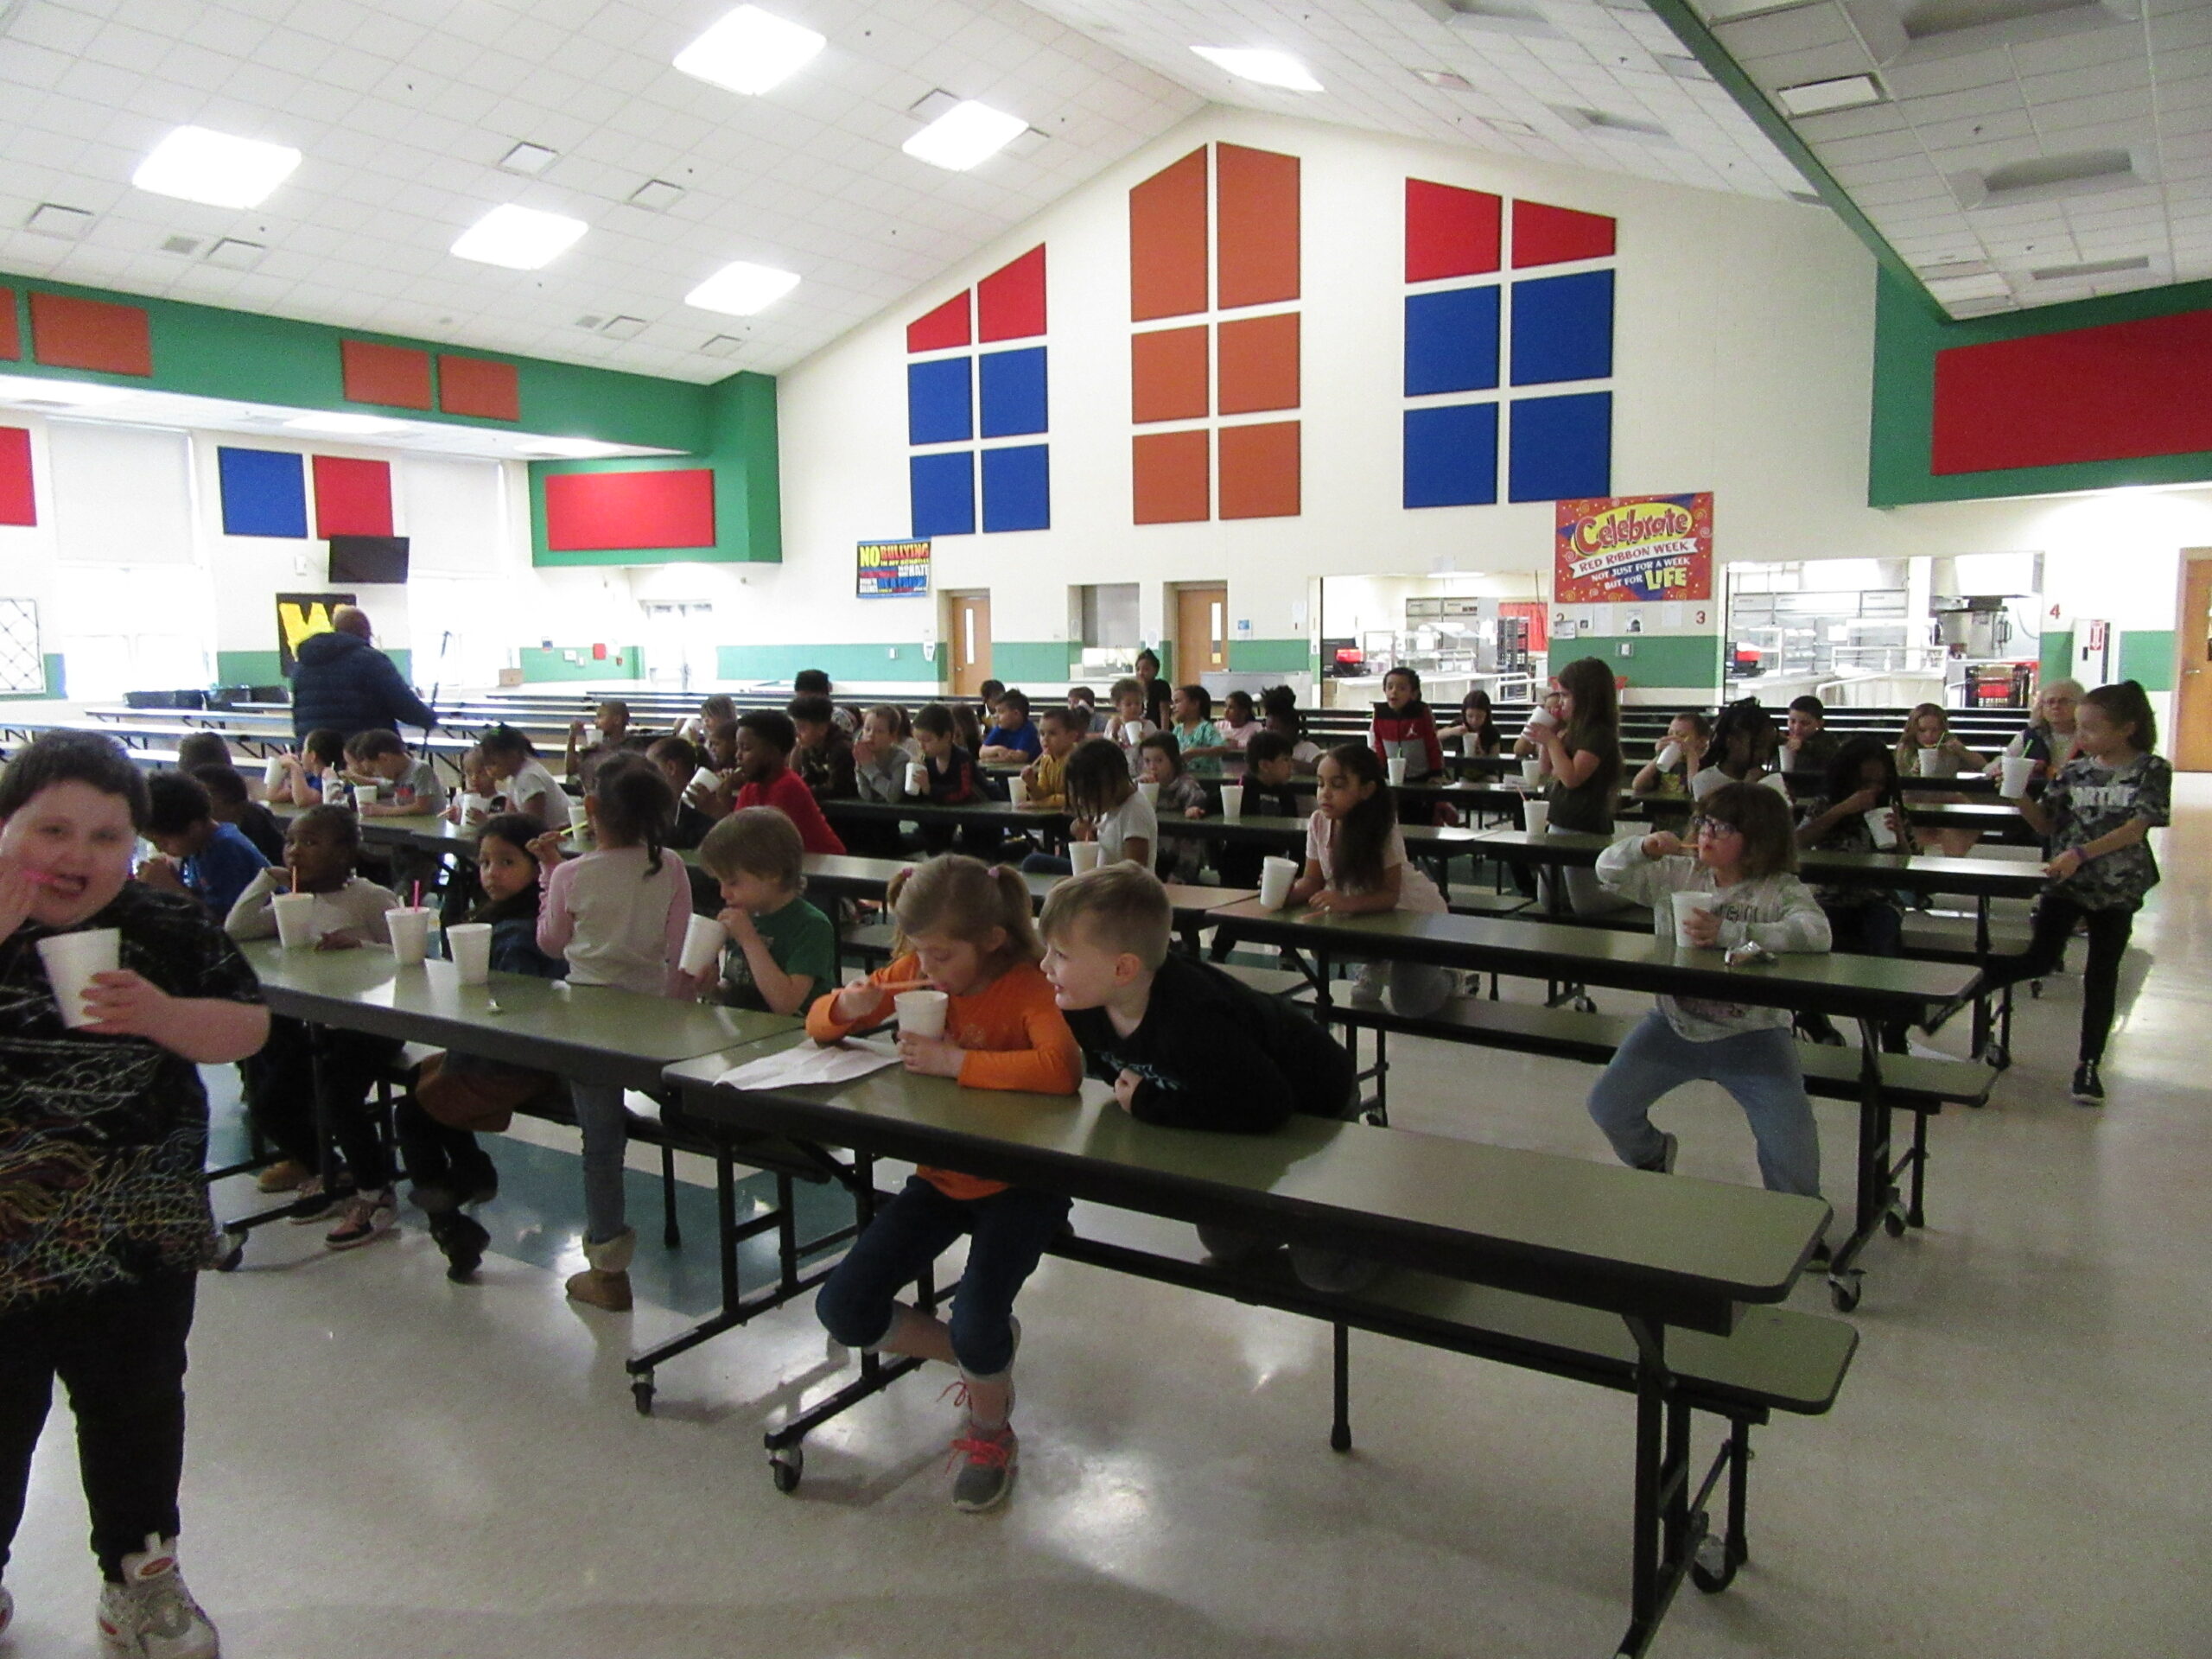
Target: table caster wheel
pixel 1893 1223
pixel 1997 1055
pixel 1844 1291
pixel 2035 988
pixel 642 1392
pixel 785 1466
pixel 1584 1004
pixel 1715 1566
pixel 230 1253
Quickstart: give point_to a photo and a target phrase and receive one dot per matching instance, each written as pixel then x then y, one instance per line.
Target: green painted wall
pixel 620 662
pixel 1906 340
pixel 2146 655
pixel 212 353
pixel 1682 662
pixel 1017 661
pixel 2056 660
pixel 739 443
pixel 249 668
pixel 1270 656
pixel 863 663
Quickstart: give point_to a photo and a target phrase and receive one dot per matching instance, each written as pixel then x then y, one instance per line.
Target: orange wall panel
pixel 397 377
pixel 1259 364
pixel 1259 471
pixel 479 386
pixel 1171 478
pixel 1256 251
pixel 11 339
pixel 1167 241
pixel 69 333
pixel 1168 375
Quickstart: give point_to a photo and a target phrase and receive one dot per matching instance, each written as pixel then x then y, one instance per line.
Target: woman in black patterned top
pixel 104 1218
pixel 2096 816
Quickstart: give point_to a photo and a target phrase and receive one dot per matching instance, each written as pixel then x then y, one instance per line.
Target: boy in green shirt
pixel 782 950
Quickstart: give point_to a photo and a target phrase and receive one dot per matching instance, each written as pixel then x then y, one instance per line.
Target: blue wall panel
pixel 1013 396
pixel 1451 341
pixel 1017 488
pixel 944 491
pixel 1451 456
pixel 939 407
pixel 1563 447
pixel 1563 328
pixel 264 492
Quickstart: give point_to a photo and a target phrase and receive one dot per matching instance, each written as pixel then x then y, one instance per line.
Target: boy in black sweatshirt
pixel 1184 1044
pixel 1267 794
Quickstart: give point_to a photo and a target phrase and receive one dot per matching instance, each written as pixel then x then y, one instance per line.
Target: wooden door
pixel 969 640
pixel 2193 644
pixel 1201 632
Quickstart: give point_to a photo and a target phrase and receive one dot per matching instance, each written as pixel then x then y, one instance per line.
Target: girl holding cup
pixel 1928 748
pixel 1477 731
pixel 964 933
pixel 1859 809
pixel 1666 775
pixel 1107 809
pixel 1743 854
pixel 1583 755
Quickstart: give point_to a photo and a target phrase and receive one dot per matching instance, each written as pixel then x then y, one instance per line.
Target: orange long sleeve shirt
pixel 1014 1033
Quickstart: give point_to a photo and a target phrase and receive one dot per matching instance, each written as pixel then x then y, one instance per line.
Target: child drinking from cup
pixel 1109 810
pixel 1858 810
pixel 782 950
pixel 1744 854
pixel 512 761
pixel 965 930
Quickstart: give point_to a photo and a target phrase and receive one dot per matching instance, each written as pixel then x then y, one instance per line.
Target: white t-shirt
pixel 1132 817
pixel 1713 778
pixel 1417 891
pixel 538 792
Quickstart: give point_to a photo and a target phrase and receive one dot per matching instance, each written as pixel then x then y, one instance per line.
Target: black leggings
pixel 2109 930
pixel 280 1094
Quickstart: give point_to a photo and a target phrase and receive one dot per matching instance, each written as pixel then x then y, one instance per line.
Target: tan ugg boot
pixel 605 1282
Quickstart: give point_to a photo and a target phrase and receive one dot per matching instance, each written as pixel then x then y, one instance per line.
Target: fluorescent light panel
pixel 198 165
pixel 521 239
pixel 750 51
pixel 1822 97
pixel 337 423
pixel 75 393
pixel 571 448
pixel 1262 64
pixel 966 134
pixel 740 288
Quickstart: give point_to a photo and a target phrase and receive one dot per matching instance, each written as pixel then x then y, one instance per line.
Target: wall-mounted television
pixel 368 560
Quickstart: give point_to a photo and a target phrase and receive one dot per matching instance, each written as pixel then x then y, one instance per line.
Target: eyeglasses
pixel 1714 828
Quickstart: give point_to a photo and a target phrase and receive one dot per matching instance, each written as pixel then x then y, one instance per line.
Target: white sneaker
pixel 1369 984
pixel 150 1615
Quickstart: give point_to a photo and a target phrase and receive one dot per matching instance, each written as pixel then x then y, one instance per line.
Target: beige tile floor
pixel 2020 1465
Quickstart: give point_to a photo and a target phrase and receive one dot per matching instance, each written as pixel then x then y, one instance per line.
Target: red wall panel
pixel 479 386
pixel 2113 393
pixel 585 511
pixel 351 498
pixel 1010 302
pixel 11 339
pixel 17 506
pixel 67 333
pixel 1167 241
pixel 1256 253
pixel 397 377
pixel 1450 232
pixel 946 326
pixel 1554 235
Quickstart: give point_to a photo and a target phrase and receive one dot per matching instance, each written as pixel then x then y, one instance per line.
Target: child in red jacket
pixel 766 739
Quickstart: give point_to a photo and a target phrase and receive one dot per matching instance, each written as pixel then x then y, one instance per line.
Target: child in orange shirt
pixel 965 930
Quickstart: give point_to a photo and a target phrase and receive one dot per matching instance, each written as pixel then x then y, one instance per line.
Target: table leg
pixel 1665 1539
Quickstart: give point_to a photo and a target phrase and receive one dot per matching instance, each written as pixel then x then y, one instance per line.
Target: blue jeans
pixel 1759 1068
pixel 1045 864
pixel 1010 1231
pixel 606 1138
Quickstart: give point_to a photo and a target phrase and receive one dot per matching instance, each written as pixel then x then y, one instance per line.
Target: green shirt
pixel 800 941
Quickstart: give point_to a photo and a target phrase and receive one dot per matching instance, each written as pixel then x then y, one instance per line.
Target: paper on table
pixel 806 1063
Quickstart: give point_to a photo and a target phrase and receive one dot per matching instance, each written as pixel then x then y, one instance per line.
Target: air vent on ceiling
pixel 1959 290
pixel 1446 80
pixel 1915 31
pixel 1809 197
pixel 1682 68
pixel 232 253
pixel 932 104
pixel 724 346
pixel 1492 16
pixel 623 327
pixel 51 219
pixel 2093 268
pixel 655 196
pixel 1506 123
pixel 590 322
pixel 2049 178
pixel 1952 268
pixel 1603 123
pixel 531 159
pixel 180 244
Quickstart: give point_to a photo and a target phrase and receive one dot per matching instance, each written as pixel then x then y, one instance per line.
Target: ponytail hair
pixel 2126 704
pixel 968 899
pixel 636 805
pixel 1363 833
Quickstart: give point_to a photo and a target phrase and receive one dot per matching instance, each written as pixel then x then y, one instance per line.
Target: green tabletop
pixel 1984 877
pixel 852 876
pixel 1683 1251
pixel 592 1033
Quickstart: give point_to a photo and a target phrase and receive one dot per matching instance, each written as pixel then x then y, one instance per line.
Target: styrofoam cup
pixel 1886 836
pixel 921 1014
pixel 703 938
pixel 1150 790
pixel 706 778
pixel 1543 717
pixel 2017 770
pixel 410 933
pixel 470 945
pixel 1930 759
pixel 474 809
pixel 1667 756
pixel 1688 905
pixel 1396 765
pixel 1532 772
pixel 1534 815
pixel 272 775
pixel 294 913
pixel 1085 856
pixel 579 822
pixel 1275 876
pixel 1232 803
pixel 918 778
pixel 1017 790
pixel 71 961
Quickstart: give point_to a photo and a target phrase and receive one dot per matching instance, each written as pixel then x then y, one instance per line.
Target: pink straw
pixel 418 895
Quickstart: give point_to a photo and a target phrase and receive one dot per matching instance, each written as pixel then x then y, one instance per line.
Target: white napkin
pixel 809 1063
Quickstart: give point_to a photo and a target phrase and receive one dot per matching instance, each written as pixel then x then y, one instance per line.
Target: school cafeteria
pixel 1105 828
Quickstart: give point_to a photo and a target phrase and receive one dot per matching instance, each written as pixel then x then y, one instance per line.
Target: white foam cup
pixel 1275 876
pixel 1532 772
pixel 272 775
pixel 1232 803
pixel 1017 789
pixel 703 938
pixel 474 809
pixel 2017 770
pixel 1543 716
pixel 1150 790
pixel 918 778
pixel 1667 756
pixel 71 961
pixel 1085 856
pixel 579 822
pixel 706 778
pixel 1688 905
pixel 410 933
pixel 1534 815
pixel 1930 759
pixel 1396 765
pixel 921 1014
pixel 294 913
pixel 1885 838
pixel 470 945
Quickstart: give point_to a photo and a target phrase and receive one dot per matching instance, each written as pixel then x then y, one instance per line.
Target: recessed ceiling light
pixel 750 51
pixel 1262 64
pixel 196 164
pixel 51 219
pixel 338 423
pixel 740 288
pixel 74 393
pixel 1446 80
pixel 1820 96
pixel 521 239
pixel 569 448
pixel 528 158
pixel 965 134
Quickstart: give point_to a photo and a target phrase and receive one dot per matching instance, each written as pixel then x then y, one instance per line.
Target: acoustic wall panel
pixel 264 492
pixel 11 338
pixel 1450 232
pixel 1169 374
pixel 941 488
pixel 1563 328
pixel 1258 470
pixel 1011 396
pixel 1168 220
pixel 69 333
pixel 351 498
pixel 456 515
pixel 397 377
pixel 95 523
pixel 1451 456
pixel 1554 235
pixel 1010 302
pixel 1171 477
pixel 588 512
pixel 1257 363
pixel 480 387
pixel 940 401
pixel 1017 488
pixel 18 503
pixel 1256 245
pixel 2116 392
pixel 941 329
pixel 1561 448
pixel 1451 341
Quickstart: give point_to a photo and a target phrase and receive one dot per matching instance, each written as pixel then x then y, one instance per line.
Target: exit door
pixel 1201 632
pixel 2193 694
pixel 970 635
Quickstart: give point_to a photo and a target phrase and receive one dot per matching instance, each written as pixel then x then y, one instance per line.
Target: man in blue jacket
pixel 341 682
